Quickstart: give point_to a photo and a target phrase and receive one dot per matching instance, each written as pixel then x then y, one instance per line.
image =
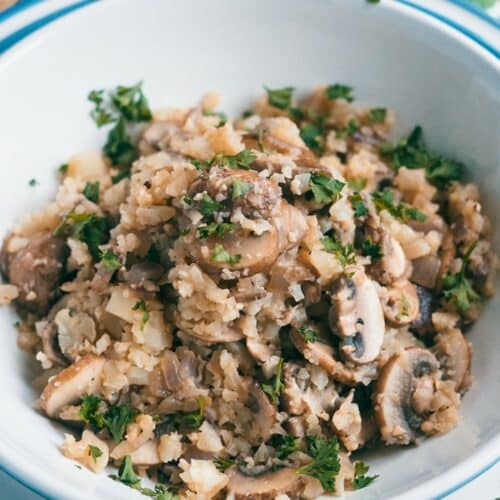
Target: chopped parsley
pixel 91 191
pixel 94 452
pixel 280 98
pixel 384 200
pixel 142 306
pixel 344 253
pixel 223 464
pixel 188 421
pixel 377 115
pixel 219 254
pixel 110 261
pixel 33 182
pixel 351 128
pixel 457 288
pixel 312 135
pixel 215 229
pixel 127 476
pixel 63 169
pixel 208 206
pixel 123 174
pixel 240 188
pixel 115 419
pixel 361 480
pixel 373 250
pixel 339 91
pixel 358 205
pixel 325 463
pixel 308 333
pixel 357 184
pixel 284 445
pixel 412 152
pixel 242 160
pixel 274 389
pixel 325 189
pixel 222 117
pixel 120 106
pixel 89 228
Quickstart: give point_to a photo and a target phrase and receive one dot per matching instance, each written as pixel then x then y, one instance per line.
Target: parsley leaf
pixel 351 128
pixel 274 390
pixel 208 206
pixel 187 421
pixel 110 261
pixel 63 169
pixel 89 228
pixel 357 184
pixel 308 333
pixel 215 229
pixel 384 200
pixel 100 114
pixel 123 174
pixel 377 115
pixel 242 160
pixel 284 445
pixel 325 189
pixel 411 152
pixel 312 135
pixel 126 473
pixel 325 463
pixel 280 98
pixel 222 117
pixel 219 254
pixel 339 91
pixel 344 253
pixel 116 420
pixel 361 480
pixel 33 182
pixel 223 464
pixel 94 452
pixel 91 191
pixel 373 250
pixel 358 205
pixel 89 411
pixel 131 103
pixel 119 148
pixel 457 287
pixel 142 306
pixel 240 188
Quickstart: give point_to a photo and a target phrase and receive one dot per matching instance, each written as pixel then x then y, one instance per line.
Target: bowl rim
pixel 25 38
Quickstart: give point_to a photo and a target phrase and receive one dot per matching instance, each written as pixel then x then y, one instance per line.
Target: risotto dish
pixel 229 308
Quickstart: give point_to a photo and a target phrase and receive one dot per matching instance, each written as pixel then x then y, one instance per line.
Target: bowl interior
pixel 391 54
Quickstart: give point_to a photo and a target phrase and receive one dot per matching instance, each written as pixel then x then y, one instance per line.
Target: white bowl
pixel 393 55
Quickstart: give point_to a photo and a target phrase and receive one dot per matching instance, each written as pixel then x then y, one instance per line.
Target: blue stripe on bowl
pixel 477 11
pixel 15 37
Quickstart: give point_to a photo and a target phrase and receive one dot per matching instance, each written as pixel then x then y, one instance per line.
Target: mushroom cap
pixel 402 304
pixel 359 318
pixel 267 486
pixel 454 354
pixel 69 385
pixel 50 344
pixel 426 270
pixel 397 421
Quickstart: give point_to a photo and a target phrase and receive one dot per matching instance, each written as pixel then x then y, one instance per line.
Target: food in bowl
pixel 236 306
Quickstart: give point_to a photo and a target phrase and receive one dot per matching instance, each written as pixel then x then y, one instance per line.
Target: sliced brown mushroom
pixel 36 269
pixel 68 386
pixel 402 305
pixel 422 324
pixel 454 354
pixel 426 271
pixel 265 413
pixel 50 344
pixel 397 419
pixel 267 486
pixel 357 316
pixel 321 354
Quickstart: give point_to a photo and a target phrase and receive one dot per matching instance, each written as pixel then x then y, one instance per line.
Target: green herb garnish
pixel 344 253
pixel 187 421
pixel 110 261
pixel 242 160
pixel 222 117
pixel 215 229
pixel 457 287
pixel 33 182
pixel 361 480
pixel 358 205
pixel 116 420
pixel 308 333
pixel 219 254
pixel 280 98
pixel 240 188
pixel 357 184
pixel 339 91
pixel 90 411
pixel 223 464
pixel 274 389
pixel 351 128
pixel 325 463
pixel 123 174
pixel 208 206
pixel 325 189
pixel 285 445
pixel 377 115
pixel 91 191
pixel 94 452
pixel 312 135
pixel 142 306
pixel 373 250
pixel 384 200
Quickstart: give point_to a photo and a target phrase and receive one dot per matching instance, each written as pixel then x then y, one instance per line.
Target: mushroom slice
pixel 396 418
pixel 359 318
pixel 267 486
pixel 454 354
pixel 50 344
pixel 426 270
pixel 422 324
pixel 402 305
pixel 68 386
pixel 321 354
pixel 265 413
pixel 394 260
